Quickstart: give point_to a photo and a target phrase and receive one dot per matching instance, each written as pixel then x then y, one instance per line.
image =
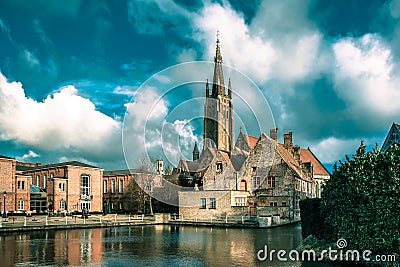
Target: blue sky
pixel 329 71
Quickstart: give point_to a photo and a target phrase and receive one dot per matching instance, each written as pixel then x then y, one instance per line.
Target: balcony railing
pixel 86 197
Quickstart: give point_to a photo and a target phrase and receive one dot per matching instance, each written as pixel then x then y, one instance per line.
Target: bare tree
pixel 140 189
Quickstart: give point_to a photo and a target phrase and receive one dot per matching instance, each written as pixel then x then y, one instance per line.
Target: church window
pixel 283 204
pixel 273 203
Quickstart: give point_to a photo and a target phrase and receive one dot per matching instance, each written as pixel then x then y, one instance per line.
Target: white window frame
pixel 86 204
pixel 63 205
pixel 256 182
pixel 213 203
pixel 105 189
pixel 113 186
pixel 120 186
pixel 20 204
pixel 203 203
pixel 85 185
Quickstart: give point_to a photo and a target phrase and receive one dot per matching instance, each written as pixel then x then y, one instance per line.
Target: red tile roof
pixel 251 140
pixel 307 156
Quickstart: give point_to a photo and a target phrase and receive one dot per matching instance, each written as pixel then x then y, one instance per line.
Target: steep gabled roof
pixel 189 166
pixel 289 159
pixel 306 155
pixel 251 140
pixel 390 137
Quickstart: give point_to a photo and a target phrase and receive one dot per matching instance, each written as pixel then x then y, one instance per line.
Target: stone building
pixel 70 185
pixel 257 176
pixel 393 137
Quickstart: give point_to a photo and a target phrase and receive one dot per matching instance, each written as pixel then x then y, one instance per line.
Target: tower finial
pixel 218 87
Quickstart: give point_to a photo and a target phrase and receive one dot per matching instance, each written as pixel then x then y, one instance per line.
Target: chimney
pixel 288 140
pixel 160 166
pixel 296 153
pixel 273 133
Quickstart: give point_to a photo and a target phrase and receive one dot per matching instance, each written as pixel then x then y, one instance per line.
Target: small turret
pixel 196 154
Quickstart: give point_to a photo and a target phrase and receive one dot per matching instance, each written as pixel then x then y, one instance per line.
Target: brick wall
pixel 7 183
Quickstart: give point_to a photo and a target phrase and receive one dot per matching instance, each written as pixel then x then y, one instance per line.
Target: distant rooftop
pixel 36 189
pixel 5 157
pixel 55 165
pixel 122 172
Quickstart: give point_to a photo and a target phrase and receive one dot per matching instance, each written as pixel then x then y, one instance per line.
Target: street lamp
pixel 4 204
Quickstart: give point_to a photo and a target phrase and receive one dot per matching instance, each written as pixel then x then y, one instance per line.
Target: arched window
pixel 243 185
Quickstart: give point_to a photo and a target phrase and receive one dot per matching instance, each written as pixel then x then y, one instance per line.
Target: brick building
pixel 14 187
pixel 119 194
pixel 69 185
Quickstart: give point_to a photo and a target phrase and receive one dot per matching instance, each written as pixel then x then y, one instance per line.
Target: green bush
pixel 312 222
pixel 361 201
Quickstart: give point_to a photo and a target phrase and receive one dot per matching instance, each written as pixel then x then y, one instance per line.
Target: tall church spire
pixel 218 110
pixel 218 87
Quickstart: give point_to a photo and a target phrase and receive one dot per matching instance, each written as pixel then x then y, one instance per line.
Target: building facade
pixel 129 190
pixel 69 186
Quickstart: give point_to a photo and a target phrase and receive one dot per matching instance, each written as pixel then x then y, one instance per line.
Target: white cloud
pixel 28 156
pixel 332 149
pixel 147 131
pixel 64 121
pixel 364 75
pixel 260 50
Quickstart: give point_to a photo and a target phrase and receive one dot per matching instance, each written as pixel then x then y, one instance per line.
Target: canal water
pixel 155 245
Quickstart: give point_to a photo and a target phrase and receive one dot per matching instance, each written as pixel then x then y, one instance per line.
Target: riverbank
pixel 42 223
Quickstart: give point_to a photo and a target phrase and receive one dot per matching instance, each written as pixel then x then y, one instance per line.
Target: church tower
pixel 218 110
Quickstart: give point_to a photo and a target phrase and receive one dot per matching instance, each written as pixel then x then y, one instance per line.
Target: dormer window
pixel 219 166
pixel 253 170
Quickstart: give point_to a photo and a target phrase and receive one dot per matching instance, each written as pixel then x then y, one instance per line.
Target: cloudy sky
pixel 69 72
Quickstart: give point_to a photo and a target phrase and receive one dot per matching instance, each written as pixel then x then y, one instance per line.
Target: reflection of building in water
pixel 14 248
pixel 60 248
pixel 85 246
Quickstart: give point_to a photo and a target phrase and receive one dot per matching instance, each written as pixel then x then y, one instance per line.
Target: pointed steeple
pixel 207 89
pixel 218 81
pixel 196 153
pixel 229 89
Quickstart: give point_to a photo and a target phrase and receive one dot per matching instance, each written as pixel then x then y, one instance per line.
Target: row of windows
pixel 275 203
pixel 44 180
pixel 21 185
pixel 212 203
pixel 120 186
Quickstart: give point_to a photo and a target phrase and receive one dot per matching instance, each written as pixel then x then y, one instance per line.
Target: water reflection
pixel 158 245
